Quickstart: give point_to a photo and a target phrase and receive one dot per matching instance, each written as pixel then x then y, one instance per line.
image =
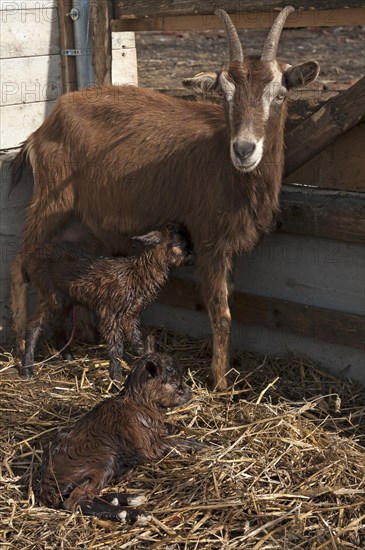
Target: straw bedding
pixel 283 466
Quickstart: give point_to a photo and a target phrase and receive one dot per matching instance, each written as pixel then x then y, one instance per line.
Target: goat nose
pixel 243 149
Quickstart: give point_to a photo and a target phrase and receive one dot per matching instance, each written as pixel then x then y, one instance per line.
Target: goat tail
pixel 18 164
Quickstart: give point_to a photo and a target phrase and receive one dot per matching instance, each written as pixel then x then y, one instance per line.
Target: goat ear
pixel 152 238
pixel 149 345
pixel 202 83
pixel 151 368
pixel 298 75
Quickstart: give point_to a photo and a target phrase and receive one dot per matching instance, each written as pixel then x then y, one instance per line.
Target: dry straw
pixel 283 466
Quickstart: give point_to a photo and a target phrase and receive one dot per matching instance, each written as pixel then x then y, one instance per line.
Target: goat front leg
pixel 213 276
pixel 134 335
pixel 111 329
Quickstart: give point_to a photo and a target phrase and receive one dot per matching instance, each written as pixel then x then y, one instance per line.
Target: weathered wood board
pixel 340 360
pixel 19 121
pixel 31 79
pixel 340 165
pixel 335 117
pixel 146 8
pixel 124 58
pixel 170 19
pixel 28 32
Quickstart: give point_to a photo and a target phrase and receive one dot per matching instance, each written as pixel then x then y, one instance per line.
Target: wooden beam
pixel 100 23
pixel 161 8
pixel 252 20
pixel 334 118
pixel 335 327
pixel 323 213
pixel 331 168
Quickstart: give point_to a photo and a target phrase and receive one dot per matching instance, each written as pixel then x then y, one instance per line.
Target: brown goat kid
pixel 125 159
pixel 117 289
pixel 112 438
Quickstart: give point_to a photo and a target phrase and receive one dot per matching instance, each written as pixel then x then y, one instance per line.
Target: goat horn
pixel 272 41
pixel 234 44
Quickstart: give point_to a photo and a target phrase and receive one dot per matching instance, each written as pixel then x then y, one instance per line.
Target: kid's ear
pixel 202 83
pixel 151 368
pixel 152 238
pixel 299 75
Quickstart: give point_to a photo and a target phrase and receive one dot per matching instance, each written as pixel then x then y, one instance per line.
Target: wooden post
pixel 100 23
pixel 68 62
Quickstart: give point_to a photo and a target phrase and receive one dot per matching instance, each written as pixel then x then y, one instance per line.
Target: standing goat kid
pixel 117 289
pixel 125 159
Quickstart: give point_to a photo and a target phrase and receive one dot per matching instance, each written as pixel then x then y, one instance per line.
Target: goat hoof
pixel 67 355
pixel 133 517
pixel 124 499
pixel 26 372
pixel 223 384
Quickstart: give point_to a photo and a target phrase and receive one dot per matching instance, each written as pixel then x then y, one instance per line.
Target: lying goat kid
pixel 117 289
pixel 115 436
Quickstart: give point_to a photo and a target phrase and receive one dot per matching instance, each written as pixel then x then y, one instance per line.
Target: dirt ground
pixel 165 58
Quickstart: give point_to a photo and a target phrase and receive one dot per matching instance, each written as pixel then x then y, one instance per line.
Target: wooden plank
pixel 124 66
pixel 254 20
pixel 123 40
pixel 341 165
pixel 31 79
pixel 320 213
pixel 335 327
pixel 29 32
pixel 146 8
pixel 100 23
pixel 18 121
pixel 9 7
pixel 124 58
pixel 334 118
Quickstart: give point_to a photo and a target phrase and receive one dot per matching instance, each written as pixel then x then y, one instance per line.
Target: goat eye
pixel 280 97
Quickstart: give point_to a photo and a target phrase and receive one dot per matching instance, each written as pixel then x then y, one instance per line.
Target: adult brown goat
pixel 125 159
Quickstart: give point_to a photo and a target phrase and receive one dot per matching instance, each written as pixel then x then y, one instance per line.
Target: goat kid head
pixel 157 381
pixel 254 90
pixel 174 240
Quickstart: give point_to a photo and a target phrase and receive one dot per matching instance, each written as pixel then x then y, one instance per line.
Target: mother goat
pixel 126 159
